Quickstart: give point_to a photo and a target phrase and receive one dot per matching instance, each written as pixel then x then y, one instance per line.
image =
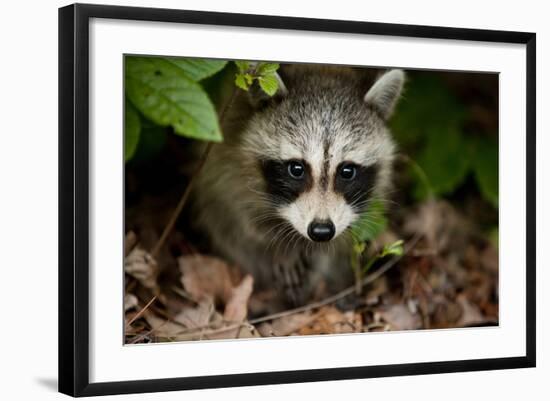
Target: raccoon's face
pixel 324 151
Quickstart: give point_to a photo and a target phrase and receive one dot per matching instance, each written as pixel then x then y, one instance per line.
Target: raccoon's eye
pixel 348 172
pixel 296 169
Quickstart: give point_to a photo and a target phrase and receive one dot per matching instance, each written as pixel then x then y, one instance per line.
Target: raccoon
pixel 295 171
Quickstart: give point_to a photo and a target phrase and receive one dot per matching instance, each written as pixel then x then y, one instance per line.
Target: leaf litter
pixel 448 279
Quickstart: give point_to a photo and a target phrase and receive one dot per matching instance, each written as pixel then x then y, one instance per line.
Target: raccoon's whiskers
pixel 263 217
pixel 289 241
pixel 275 229
pixel 280 240
pixel 285 241
pixel 279 234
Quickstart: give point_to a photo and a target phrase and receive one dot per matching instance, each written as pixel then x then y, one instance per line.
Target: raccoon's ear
pixel 258 98
pixel 385 92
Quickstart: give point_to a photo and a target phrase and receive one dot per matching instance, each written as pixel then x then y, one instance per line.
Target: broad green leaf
pixel 198 69
pixel 269 84
pixel 132 128
pixel 429 124
pixel 371 223
pixel 486 169
pixel 427 107
pixel 167 96
pixel 241 82
pixel 267 68
pixel 445 160
pixel 243 66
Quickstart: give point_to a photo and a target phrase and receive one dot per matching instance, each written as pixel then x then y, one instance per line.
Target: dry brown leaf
pixel 130 240
pixel 286 325
pixel 399 317
pixel 163 328
pixel 236 310
pixel 171 331
pixel 489 258
pixel 329 320
pixel 266 329
pixel 130 302
pixel 248 331
pixel 143 267
pixel 440 224
pixel 194 317
pixel 471 315
pixel 354 321
pixel 237 306
pixel 205 278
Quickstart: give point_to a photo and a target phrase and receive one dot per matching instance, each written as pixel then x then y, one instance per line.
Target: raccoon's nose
pixel 321 231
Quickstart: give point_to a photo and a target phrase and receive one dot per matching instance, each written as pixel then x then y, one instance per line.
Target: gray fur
pixel 322 119
pixel 385 92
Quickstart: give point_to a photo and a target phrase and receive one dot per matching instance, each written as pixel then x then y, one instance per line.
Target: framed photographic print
pixel 250 199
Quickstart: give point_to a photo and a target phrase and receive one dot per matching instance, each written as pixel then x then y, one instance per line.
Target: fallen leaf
pixel 129 242
pixel 489 258
pixel 130 302
pixel 471 315
pixel 329 320
pixel 266 329
pixel 143 267
pixel 441 225
pixel 162 327
pixel 286 325
pixel 248 331
pixel 205 278
pixel 399 317
pixel 236 310
pixel 194 317
pixel 237 306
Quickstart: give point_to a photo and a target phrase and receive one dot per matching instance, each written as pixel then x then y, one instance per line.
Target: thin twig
pixel 137 339
pixel 344 293
pixel 183 200
pixel 315 305
pixel 137 315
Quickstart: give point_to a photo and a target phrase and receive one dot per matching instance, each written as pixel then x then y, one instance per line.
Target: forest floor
pixel 447 277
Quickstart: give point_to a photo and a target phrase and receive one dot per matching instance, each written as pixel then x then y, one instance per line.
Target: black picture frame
pixel 74 198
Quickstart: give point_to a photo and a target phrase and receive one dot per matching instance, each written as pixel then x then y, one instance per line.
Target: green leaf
pixel 243 66
pixel 428 123
pixel 269 84
pixel 240 81
pixel 267 68
pixel 249 79
pixel 445 159
pixel 395 249
pixel 132 128
pixel 167 96
pixel 371 223
pixel 428 107
pixel 486 169
pixel 198 69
